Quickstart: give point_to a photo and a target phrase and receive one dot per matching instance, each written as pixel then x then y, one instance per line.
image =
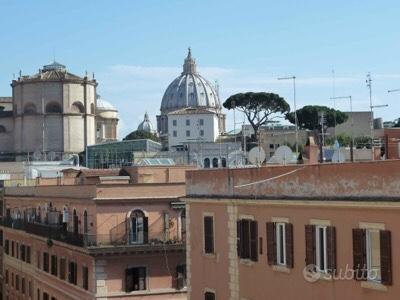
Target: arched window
pixel 2 108
pixel 138 228
pixel 85 222
pixel 206 163
pixel 223 162
pixel 30 109
pixel 2 129
pixel 54 108
pixel 77 107
pixel 215 162
pixel 75 222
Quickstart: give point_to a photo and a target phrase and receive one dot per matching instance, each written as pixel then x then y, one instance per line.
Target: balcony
pixel 114 242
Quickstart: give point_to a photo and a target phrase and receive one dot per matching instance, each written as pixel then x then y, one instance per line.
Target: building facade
pixel 294 232
pixel 100 235
pixel 52 111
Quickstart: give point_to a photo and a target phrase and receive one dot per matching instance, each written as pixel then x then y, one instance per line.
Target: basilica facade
pixel 53 111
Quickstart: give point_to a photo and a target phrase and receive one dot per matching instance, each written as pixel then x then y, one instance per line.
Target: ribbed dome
pixel 103 105
pixel 189 90
pixel 146 125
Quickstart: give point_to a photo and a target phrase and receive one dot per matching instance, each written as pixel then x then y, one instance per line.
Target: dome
pixel 146 125
pixel 105 109
pixel 189 90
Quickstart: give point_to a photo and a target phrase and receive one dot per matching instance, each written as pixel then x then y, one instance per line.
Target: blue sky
pixel 136 48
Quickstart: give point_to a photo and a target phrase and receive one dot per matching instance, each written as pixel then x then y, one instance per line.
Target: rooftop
pixel 376 180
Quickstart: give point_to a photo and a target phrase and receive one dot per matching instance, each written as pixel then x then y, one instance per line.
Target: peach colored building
pixel 294 232
pixel 98 235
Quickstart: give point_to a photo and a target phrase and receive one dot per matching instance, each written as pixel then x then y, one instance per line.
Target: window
pixel 53 107
pixel 38 294
pixel 7 247
pixel 6 276
pixel 17 250
pixel 280 244
pixel 28 254
pixel 209 296
pixel 30 290
pixel 63 264
pixel 12 248
pixel 77 107
pixel 2 129
pixel 22 252
pixel 173 122
pixel 85 222
pixel 321 248
pixel 180 276
pixel 45 261
pixel 23 285
pixel 30 109
pixel 54 262
pixel 206 163
pixel 135 279
pixel 372 255
pixel 247 239
pixel 208 234
pixel 38 256
pixel 223 162
pixel 187 132
pixel 174 133
pixel 45 296
pixel 17 282
pixel 138 228
pixel 201 132
pixel 187 122
pixel 12 279
pixel 72 272
pixel 85 278
pixel 215 162
pixel 201 122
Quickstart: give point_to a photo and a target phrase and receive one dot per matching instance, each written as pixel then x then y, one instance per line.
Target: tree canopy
pixel 259 108
pixel 141 134
pixel 308 117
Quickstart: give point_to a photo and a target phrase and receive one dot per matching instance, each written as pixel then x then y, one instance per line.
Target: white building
pixel 190 97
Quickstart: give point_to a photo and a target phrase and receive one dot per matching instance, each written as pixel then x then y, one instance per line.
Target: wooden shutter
pixel 239 237
pixel 145 230
pixel 359 254
pixel 310 244
pixel 331 248
pixel 128 280
pixel 254 241
pixel 271 243
pixel 289 244
pixel 386 257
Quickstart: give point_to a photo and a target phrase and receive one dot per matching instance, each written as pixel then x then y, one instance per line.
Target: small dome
pixel 146 125
pixel 103 105
pixel 189 90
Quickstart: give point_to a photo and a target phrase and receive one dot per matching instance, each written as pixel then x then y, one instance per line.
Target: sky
pixel 136 48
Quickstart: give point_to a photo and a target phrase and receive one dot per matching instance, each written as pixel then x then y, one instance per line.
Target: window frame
pixel 281 244
pixel 368 252
pixel 210 251
pixel 318 249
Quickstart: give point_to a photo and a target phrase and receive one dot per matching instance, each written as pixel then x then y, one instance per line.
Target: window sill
pixel 246 262
pixel 278 268
pixel 377 286
pixel 210 255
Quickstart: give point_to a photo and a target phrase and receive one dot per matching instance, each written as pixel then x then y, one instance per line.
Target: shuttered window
pixel 63 268
pixel 54 265
pixel 280 244
pixel 372 255
pixel 247 239
pixel 180 276
pixel 209 234
pixel 85 278
pixel 321 248
pixel 46 262
pixel 72 273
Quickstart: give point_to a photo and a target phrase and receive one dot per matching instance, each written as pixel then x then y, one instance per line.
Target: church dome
pixel 146 125
pixel 189 90
pixel 105 109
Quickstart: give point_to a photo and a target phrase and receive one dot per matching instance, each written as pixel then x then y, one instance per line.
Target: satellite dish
pixel 283 155
pixel 37 155
pixel 235 159
pixel 256 156
pixel 338 156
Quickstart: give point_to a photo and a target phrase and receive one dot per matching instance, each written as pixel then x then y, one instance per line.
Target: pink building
pixel 294 232
pixel 100 235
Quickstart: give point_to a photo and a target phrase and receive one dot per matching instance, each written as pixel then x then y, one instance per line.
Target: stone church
pixel 52 115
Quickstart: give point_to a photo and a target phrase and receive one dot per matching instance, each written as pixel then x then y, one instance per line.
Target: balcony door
pixel 138 227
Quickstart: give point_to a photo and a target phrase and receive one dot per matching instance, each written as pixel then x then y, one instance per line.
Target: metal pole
pixel 352 131
pixel 369 85
pixel 295 116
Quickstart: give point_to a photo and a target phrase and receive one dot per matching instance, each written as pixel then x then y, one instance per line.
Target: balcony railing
pixel 59 233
